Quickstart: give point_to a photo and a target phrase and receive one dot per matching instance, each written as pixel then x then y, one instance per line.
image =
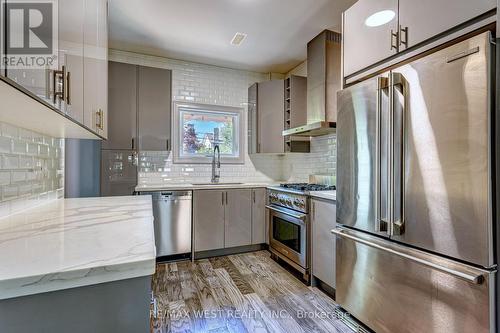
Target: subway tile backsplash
pixel 31 168
pixel 207 84
pixel 321 160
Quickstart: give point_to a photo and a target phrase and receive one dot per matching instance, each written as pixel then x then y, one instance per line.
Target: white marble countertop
pixel 191 187
pixel 69 243
pixel 327 195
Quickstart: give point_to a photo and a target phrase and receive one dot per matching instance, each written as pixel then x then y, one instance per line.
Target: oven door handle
pixel 301 217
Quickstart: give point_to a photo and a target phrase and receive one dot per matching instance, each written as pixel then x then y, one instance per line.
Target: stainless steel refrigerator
pixel 415 194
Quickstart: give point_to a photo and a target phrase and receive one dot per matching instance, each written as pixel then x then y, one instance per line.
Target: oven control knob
pixel 298 203
pixel 289 202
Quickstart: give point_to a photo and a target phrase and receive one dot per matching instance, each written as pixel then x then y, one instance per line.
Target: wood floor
pixel 239 293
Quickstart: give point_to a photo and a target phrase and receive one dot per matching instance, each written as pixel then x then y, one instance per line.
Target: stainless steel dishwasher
pixel 172 212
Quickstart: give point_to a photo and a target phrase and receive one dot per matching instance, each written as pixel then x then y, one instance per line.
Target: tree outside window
pixel 201 127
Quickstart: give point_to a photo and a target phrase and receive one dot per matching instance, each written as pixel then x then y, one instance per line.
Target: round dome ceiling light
pixel 380 18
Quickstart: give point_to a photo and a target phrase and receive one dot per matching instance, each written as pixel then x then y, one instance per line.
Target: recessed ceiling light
pixel 238 38
pixel 380 18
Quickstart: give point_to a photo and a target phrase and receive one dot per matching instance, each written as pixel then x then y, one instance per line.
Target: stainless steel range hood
pixel 323 82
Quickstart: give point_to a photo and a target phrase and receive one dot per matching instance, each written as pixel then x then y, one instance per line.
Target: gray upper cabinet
pixel 238 218
pixel 208 215
pixel 274 106
pixel 253 127
pixel 376 30
pixel 95 65
pixel 140 101
pixel 423 19
pixel 297 97
pixel 155 103
pixel 296 113
pixel 259 234
pixel 71 42
pixel 368 30
pixel 270 108
pixel 122 112
pixel 323 244
pixel 76 84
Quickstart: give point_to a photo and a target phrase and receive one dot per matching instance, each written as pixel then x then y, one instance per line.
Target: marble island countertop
pixel 69 243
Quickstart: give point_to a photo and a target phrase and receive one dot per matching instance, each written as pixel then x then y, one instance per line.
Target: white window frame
pixel 193 107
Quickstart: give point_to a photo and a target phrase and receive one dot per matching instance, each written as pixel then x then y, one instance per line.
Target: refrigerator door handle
pixel 381 225
pixel 398 224
pixel 467 273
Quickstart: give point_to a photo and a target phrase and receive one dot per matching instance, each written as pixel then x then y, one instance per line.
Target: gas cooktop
pixel 303 187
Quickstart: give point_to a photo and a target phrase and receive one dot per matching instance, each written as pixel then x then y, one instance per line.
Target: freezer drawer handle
pixel 471 278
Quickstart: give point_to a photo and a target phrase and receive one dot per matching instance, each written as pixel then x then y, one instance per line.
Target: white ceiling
pixel 201 30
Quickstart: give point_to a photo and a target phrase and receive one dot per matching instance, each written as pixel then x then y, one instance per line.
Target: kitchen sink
pixel 215 184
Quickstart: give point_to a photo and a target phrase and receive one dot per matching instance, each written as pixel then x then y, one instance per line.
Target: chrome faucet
pixel 216 165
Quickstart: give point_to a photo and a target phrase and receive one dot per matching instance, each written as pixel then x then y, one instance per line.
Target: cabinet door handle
pixel 394 35
pixel 68 88
pixel 96 122
pixel 47 83
pixel 99 122
pixel 168 144
pixel 403 31
pixel 101 113
pixel 55 75
pixel 222 198
pixel 133 143
pixel 226 199
pixel 253 196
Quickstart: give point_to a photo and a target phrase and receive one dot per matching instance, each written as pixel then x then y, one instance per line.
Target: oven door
pixel 288 234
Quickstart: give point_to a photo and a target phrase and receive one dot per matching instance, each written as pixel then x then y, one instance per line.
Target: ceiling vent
pixel 238 38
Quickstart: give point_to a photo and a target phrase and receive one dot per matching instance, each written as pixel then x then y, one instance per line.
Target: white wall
pixel 206 84
pixel 321 160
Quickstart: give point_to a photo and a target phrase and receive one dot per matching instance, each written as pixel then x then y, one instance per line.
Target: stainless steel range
pixel 289 224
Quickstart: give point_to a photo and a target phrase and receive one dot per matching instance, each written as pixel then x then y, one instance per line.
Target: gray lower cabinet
pixel 208 215
pixel 238 218
pixel 259 230
pixel 228 218
pixel 118 306
pixel 154 112
pixel 323 242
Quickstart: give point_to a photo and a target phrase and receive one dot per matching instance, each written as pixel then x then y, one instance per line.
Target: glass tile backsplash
pixel 31 168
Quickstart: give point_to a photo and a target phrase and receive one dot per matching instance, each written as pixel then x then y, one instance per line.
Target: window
pixel 198 128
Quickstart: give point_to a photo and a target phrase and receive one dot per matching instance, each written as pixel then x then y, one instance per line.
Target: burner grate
pixel 308 187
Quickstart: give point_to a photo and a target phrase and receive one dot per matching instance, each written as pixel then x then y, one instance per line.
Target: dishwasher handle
pixel 170 195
